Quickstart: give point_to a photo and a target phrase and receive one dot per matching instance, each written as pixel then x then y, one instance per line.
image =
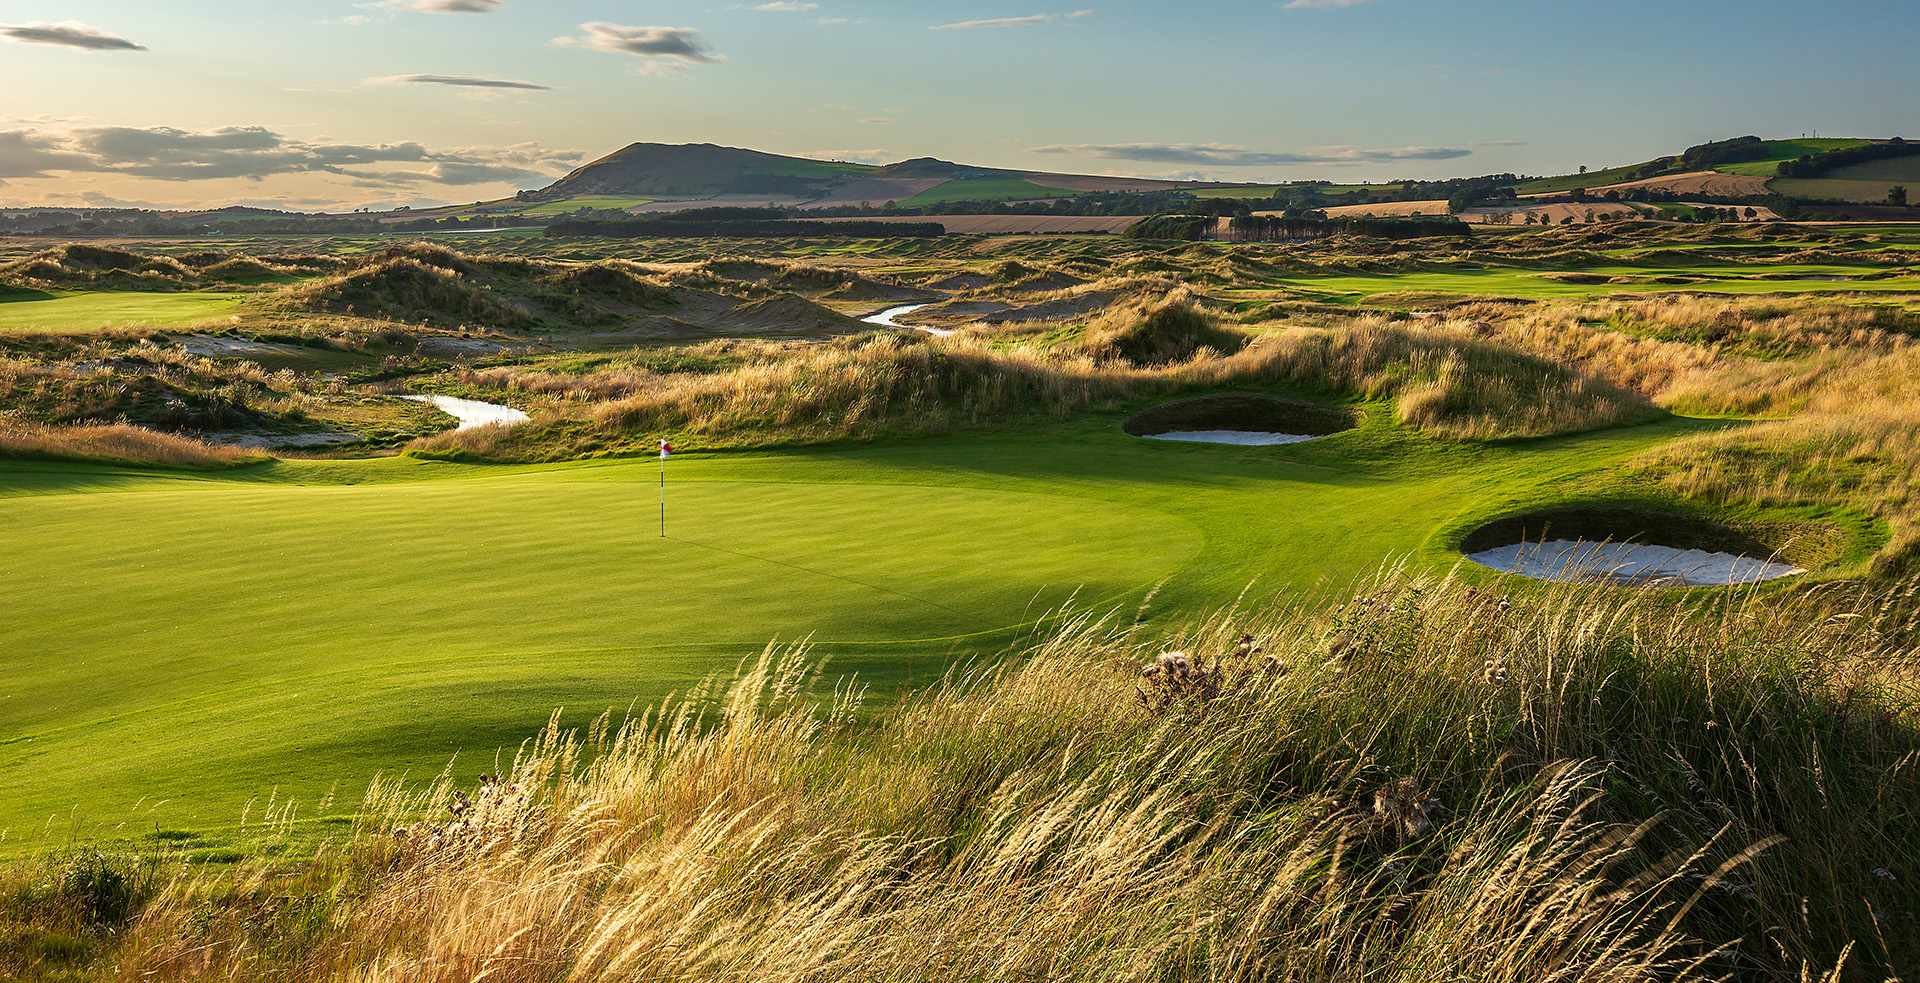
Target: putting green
pixel 202 640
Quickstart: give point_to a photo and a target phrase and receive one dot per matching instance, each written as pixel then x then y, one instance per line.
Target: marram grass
pixel 1618 788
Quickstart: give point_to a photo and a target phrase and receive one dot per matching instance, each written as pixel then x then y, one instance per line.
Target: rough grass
pixel 1613 790
pixel 1445 381
pixel 116 443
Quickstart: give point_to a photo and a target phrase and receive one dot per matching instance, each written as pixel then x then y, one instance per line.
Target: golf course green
pixel 183 643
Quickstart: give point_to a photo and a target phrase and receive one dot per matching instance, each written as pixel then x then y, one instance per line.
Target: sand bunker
pixel 1630 564
pixel 1247 419
pixel 473 413
pixel 886 319
pixel 1641 547
pixel 1250 438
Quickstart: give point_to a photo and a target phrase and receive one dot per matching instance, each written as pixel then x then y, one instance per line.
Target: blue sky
pixel 322 104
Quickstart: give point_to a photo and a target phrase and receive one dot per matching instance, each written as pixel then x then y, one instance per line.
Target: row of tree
pixel 1280 228
pixel 700 224
pixel 1814 165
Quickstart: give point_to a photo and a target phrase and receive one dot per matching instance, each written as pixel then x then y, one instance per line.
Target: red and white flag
pixel 665 449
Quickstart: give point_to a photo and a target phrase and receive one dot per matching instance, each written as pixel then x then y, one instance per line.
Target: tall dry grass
pixel 1443 379
pixel 116 443
pixel 1631 791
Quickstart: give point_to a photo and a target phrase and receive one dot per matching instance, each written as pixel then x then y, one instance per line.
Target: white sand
pixel 473 413
pixel 1256 438
pixel 886 319
pixel 1629 563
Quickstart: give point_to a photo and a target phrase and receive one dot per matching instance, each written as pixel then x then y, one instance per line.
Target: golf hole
pixel 1240 418
pixel 1635 548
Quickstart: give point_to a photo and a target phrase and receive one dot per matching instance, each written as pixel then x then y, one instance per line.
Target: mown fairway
pixel 206 639
pixel 114 309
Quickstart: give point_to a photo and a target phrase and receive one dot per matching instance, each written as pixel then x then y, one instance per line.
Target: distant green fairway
pixel 207 639
pixel 1512 282
pixel 114 309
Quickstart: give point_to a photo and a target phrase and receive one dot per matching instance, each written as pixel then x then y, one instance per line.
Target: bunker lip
pixel 1641 547
pixel 1240 418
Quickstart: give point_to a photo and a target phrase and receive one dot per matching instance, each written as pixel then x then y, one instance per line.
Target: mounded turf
pixel 94 310
pixel 202 640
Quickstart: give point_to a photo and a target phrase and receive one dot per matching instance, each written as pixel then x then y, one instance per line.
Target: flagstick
pixel 663 495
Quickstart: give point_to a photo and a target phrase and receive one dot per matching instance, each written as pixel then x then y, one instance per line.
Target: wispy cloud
pixel 1030 20
pixel 255 153
pixel 787 7
pixel 1227 155
pixel 439 6
pixel 467 81
pixel 661 49
pixel 1321 4
pixel 68 34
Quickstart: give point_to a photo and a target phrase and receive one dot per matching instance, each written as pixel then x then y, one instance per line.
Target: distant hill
pixel 656 176
pixel 659 170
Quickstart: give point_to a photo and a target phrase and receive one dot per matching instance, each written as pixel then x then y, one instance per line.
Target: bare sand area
pixel 1633 564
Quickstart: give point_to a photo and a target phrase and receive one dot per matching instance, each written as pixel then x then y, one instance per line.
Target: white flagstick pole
pixel 663 489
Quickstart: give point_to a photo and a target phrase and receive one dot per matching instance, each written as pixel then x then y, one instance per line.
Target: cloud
pixel 876 155
pixel 878 120
pixel 1028 21
pixel 662 49
pixel 439 6
pixel 468 81
pixel 1321 4
pixel 68 34
pixel 1225 155
pixel 255 153
pixel 27 154
pixel 787 7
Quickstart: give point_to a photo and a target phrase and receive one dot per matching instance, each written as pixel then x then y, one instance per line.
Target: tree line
pixel 1814 165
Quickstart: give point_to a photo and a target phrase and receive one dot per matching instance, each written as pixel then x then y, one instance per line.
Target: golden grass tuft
pixel 117 443
pixel 1641 792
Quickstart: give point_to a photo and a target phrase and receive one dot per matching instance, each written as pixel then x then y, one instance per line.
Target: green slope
pixel 92 310
pixel 205 640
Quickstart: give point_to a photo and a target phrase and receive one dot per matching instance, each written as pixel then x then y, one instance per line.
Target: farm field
pixel 981 189
pixel 301 626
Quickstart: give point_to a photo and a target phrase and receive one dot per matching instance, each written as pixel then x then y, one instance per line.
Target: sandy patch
pixel 1632 564
pixel 217 347
pixel 257 441
pixel 889 319
pixel 472 412
pixel 1246 438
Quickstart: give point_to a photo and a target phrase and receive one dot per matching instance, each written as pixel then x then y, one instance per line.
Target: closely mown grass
pixel 1424 782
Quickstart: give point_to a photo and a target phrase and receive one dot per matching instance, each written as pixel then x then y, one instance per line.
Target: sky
pixel 337 105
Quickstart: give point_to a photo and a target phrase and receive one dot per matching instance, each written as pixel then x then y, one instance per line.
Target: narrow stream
pixel 886 319
pixel 473 413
